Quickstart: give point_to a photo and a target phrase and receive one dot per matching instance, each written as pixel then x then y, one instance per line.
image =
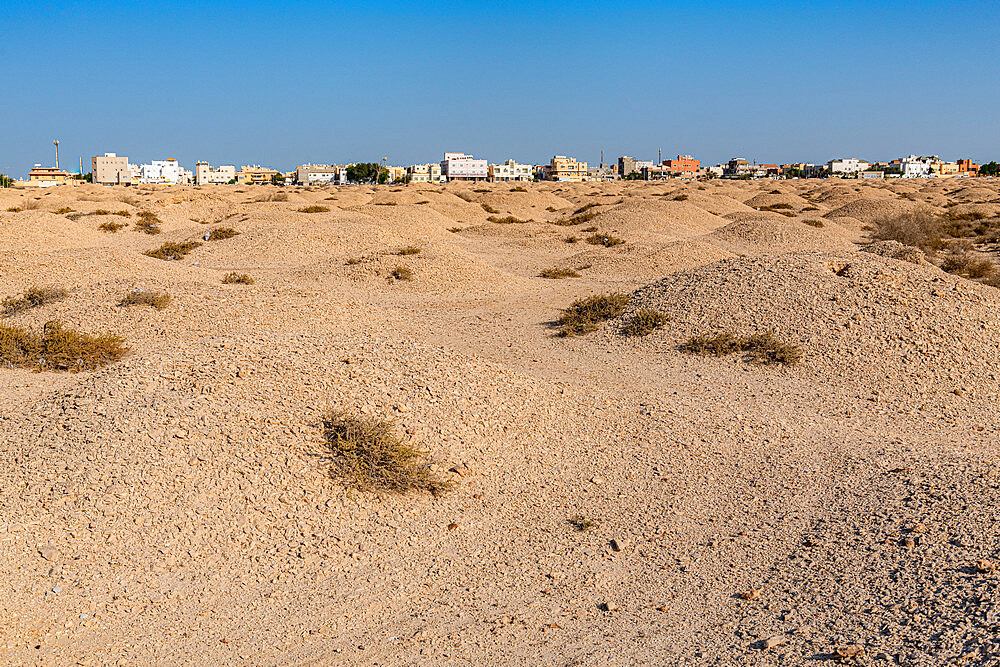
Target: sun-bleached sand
pixel 177 506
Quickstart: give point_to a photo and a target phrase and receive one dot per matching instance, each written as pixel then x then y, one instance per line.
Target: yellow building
pixel 256 175
pixel 562 168
pixel 944 168
pixel 45 176
pixel 396 174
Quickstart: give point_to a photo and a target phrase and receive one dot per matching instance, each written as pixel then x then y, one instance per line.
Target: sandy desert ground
pixel 180 506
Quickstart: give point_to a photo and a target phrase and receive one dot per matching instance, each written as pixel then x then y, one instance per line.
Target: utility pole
pixel 56 142
pixel 659 156
pixel 81 167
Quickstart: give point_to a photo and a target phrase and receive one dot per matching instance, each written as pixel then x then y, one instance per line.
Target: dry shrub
pixel 233 278
pixel 352 261
pixel 123 213
pixel 921 228
pixel 111 226
pixel 57 348
pixel 518 188
pixel 582 523
pixel 507 220
pixel 314 209
pixel 220 233
pixel 454 230
pixel 681 197
pixel 644 322
pixel 63 210
pixel 585 208
pixel 761 348
pixel 488 208
pixel 605 240
pixel 424 201
pixel 138 297
pixel 558 273
pixel 551 209
pixel 577 219
pixel 813 222
pixel 584 315
pixel 370 457
pixel 572 239
pixel 148 222
pixel 172 251
pixel 385 203
pixel 33 297
pixel 968 264
pixel 409 250
pixel 402 273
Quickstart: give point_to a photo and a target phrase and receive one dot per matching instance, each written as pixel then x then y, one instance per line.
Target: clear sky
pixel 284 83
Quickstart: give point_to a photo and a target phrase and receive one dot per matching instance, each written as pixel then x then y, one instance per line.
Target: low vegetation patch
pixel 148 222
pixel 813 222
pixel 518 188
pixel 220 233
pixel 369 456
pixel 419 203
pixel 577 219
pixel 64 210
pixel 644 322
pixel 454 230
pixel 558 273
pixel 402 273
pixel 315 208
pixel 965 262
pixel 386 203
pixel 234 278
pixel 582 523
pixel 58 348
pixel 488 208
pixel 409 250
pixel 153 298
pixel 605 240
pixel 572 239
pixel 123 213
pixel 172 251
pixel 33 297
pixel 507 220
pixel 680 197
pixel 761 348
pixel 921 228
pixel 111 226
pixel 584 315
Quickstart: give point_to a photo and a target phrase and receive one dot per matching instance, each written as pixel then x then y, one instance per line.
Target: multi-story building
pixel 913 166
pixel 683 165
pixel 463 167
pixel 942 168
pixel 167 172
pixel 847 166
pixel 737 167
pixel 308 174
pixel 43 177
pixel 205 174
pixel 256 175
pixel 968 166
pixel 563 168
pixel 110 169
pixel 629 165
pixel 510 171
pixel 425 173
pixel 396 174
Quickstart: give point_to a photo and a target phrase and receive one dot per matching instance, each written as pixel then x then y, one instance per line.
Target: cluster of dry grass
pixel 172 250
pixel 234 278
pixel 314 209
pixel 507 220
pixel 370 457
pixel 57 348
pixel 559 272
pixel 409 250
pixel 148 222
pixel 402 273
pixel 584 315
pixel 33 297
pixel 644 322
pixel 153 298
pixel 221 233
pixel 606 240
pixel 762 348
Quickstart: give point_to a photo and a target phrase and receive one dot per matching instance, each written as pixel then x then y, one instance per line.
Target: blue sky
pixel 283 83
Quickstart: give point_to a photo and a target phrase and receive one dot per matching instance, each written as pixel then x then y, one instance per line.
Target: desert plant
pixel 488 208
pixel 920 228
pixel 551 209
pixel 234 278
pixel 585 208
pixel 314 209
pixel 147 222
pixel 644 322
pixel 578 219
pixel 518 188
pixel 454 230
pixel 220 233
pixel 582 523
pixel 172 251
pixel 813 222
pixel 111 226
pixel 57 348
pixel 386 203
pixel 424 201
pixel 402 273
pixel 571 239
pixel 680 197
pixel 762 348
pixel 968 264
pixel 409 250
pixel 33 297
pixel 370 457
pixel 558 273
pixel 605 240
pixel 138 297
pixel 584 315
pixel 64 210
pixel 507 220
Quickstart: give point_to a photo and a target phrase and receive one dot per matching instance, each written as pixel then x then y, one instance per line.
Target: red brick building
pixel 968 166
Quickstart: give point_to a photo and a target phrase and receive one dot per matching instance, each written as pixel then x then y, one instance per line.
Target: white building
pixel 308 174
pixel 463 167
pixel 161 171
pixel 510 171
pixel 916 167
pixel 425 173
pixel 205 174
pixel 847 166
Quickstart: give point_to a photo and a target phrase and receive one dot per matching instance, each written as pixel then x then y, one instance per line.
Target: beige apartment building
pixel 256 175
pixel 424 173
pixel 562 168
pixel 510 171
pixel 205 174
pixel 110 169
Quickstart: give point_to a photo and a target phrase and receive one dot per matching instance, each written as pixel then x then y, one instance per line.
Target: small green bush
pixel 762 348
pixel 220 233
pixel 57 348
pixel 507 220
pixel 402 273
pixel 233 278
pixel 33 297
pixel 138 297
pixel 314 209
pixel 409 250
pixel 172 251
pixel 605 240
pixel 558 273
pixel 644 322
pixel 584 315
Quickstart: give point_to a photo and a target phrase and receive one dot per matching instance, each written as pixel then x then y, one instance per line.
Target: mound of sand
pixel 869 210
pixel 633 261
pixel 656 219
pixel 855 316
pixel 775 234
